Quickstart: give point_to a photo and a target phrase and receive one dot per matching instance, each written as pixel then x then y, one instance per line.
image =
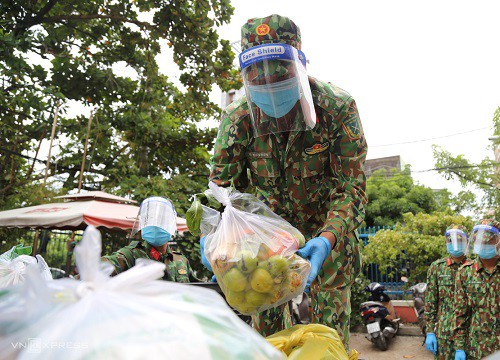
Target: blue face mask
pixel 276 100
pixel 486 251
pixel 455 253
pixel 155 235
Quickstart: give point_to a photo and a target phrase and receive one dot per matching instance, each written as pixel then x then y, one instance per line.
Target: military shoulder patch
pixel 317 148
pixel 182 271
pixel 352 127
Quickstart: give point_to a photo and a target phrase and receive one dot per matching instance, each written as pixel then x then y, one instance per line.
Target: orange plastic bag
pixel 313 341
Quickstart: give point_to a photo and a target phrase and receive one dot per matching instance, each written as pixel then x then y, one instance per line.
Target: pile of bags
pixel 15 262
pixel 129 316
pixel 252 251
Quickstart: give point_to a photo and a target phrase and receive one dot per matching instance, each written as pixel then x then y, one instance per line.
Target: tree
pixel 484 176
pixel 414 243
pixel 106 56
pixel 392 194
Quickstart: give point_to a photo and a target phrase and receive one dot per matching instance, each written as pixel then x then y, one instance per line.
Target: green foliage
pixel 391 194
pixel 484 176
pixel 107 56
pixel 358 295
pixel 146 69
pixel 413 244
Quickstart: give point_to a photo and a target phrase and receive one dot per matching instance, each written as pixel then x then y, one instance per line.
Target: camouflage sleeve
pixel 462 311
pixel 347 156
pixel 122 259
pixel 431 299
pixel 229 160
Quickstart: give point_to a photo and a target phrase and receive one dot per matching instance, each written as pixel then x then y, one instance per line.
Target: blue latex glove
pixel 431 343
pixel 460 355
pixel 214 279
pixel 316 251
pixel 204 259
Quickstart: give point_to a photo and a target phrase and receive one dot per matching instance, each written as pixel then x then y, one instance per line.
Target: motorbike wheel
pixel 381 342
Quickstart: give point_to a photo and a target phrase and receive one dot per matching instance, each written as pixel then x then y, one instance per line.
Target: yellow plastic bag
pixel 313 341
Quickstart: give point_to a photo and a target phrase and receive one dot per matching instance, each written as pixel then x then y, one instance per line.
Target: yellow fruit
pixel 247 262
pixel 246 309
pixel 255 298
pixel 276 296
pixel 235 280
pixel 261 281
pixel 235 298
pixel 276 265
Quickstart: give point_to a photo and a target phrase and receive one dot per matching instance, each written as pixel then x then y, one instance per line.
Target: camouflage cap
pixel 490 222
pixel 456 227
pixel 269 30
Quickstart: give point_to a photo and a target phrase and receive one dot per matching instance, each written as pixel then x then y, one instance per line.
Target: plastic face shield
pixel 457 238
pixel 156 211
pixel 277 88
pixel 485 237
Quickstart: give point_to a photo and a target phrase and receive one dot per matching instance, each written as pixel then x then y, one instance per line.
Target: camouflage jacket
pixel 177 270
pixel 477 314
pixel 439 297
pixel 313 179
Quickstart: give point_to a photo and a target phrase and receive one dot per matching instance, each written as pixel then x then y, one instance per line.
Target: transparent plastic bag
pixel 128 316
pixel 252 253
pixel 14 264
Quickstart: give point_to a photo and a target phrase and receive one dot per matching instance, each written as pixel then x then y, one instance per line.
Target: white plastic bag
pixel 252 253
pixel 128 316
pixel 13 267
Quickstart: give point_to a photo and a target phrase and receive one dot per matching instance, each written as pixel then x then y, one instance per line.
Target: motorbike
pixel 418 292
pixel 379 317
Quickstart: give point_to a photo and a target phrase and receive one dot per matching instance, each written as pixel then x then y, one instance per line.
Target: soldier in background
pixel 477 296
pixel 157 224
pixel 439 297
pixel 299 142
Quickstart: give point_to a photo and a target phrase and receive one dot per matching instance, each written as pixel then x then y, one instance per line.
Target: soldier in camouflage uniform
pixel 313 179
pixel 157 222
pixel 477 296
pixel 439 297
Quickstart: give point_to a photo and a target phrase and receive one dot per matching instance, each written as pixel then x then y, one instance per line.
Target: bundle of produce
pixel 129 316
pixel 15 262
pixel 252 252
pixel 313 341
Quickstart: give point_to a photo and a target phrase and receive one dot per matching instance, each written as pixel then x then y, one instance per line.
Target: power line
pixel 422 140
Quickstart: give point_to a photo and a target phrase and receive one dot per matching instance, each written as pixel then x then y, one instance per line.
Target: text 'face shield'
pixel 277 88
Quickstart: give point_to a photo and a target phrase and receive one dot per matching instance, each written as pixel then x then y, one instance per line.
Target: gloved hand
pixel 214 279
pixel 431 343
pixel 460 355
pixel 316 251
pixel 204 259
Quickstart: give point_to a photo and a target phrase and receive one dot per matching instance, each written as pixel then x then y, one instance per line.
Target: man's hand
pixel 204 259
pixel 460 355
pixel 431 343
pixel 316 251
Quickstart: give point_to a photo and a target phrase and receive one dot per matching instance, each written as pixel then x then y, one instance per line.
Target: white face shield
pixel 456 240
pixel 157 211
pixel 277 88
pixel 485 241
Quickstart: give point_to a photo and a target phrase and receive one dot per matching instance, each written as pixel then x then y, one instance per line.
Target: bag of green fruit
pixel 252 253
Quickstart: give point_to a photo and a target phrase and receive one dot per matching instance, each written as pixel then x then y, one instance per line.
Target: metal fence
pixel 391 278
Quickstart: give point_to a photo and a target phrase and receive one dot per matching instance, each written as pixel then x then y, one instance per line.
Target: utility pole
pixel 52 134
pixel 85 152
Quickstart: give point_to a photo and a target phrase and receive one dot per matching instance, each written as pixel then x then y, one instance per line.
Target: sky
pixel 418 70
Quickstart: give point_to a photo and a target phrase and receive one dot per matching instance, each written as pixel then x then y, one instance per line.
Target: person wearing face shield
pixel 299 143
pixel 477 296
pixel 439 304
pixel 156 224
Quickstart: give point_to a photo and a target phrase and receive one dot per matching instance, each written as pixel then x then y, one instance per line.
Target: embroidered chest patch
pixel 317 148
